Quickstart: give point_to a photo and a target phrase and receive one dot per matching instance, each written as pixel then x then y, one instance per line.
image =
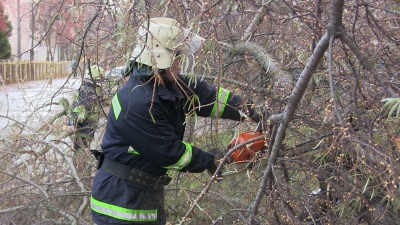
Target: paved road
pixel 26 102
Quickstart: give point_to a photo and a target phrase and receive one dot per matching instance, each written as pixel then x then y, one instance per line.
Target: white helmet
pixel 159 40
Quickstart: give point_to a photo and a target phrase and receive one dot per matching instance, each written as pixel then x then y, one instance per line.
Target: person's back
pixel 74 67
pixel 85 113
pixel 145 127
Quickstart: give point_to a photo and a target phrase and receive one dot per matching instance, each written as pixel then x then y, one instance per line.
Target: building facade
pixel 22 14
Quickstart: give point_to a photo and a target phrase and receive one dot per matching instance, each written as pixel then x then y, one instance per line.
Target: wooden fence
pixel 17 72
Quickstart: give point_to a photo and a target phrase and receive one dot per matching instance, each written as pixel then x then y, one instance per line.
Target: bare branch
pixel 386 87
pixel 294 100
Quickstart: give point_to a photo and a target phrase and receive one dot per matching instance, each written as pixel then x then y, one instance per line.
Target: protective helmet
pixel 97 73
pixel 160 39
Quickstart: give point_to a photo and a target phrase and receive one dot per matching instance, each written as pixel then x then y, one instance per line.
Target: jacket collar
pixel 168 91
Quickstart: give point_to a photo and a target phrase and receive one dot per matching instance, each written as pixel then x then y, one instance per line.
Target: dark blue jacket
pixel 145 130
pixel 151 121
pixel 87 101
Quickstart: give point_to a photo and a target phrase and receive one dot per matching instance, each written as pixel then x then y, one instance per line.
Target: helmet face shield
pixel 159 41
pixel 192 42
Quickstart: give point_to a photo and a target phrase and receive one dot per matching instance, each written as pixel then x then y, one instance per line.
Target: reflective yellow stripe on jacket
pixel 220 103
pixel 116 106
pixel 184 160
pixel 132 151
pixel 136 215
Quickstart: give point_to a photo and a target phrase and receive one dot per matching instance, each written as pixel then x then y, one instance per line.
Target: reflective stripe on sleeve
pixel 116 106
pixel 220 103
pixel 137 215
pixel 132 151
pixel 76 110
pixel 184 160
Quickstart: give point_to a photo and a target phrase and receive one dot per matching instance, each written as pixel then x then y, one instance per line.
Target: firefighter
pixel 145 127
pixel 74 67
pixel 86 109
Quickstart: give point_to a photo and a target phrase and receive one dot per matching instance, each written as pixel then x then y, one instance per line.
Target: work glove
pixel 218 155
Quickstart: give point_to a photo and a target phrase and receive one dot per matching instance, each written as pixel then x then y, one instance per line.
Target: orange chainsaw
pixel 247 152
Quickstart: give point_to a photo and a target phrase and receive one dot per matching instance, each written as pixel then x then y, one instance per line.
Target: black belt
pixel 134 175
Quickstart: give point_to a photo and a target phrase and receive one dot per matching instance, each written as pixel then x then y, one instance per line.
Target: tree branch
pixel 267 62
pixel 294 100
pixel 368 65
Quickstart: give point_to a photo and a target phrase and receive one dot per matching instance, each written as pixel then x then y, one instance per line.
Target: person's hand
pixel 70 128
pixel 218 155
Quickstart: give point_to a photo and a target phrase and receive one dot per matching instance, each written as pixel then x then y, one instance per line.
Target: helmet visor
pixel 192 42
